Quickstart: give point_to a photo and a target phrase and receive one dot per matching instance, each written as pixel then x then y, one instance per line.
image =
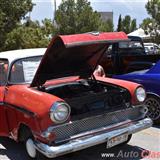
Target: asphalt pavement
pixel 143 145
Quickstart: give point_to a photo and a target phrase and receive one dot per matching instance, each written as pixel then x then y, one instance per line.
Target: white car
pixel 153 48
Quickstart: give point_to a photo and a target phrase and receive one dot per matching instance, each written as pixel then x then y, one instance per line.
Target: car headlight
pixel 59 112
pixel 140 94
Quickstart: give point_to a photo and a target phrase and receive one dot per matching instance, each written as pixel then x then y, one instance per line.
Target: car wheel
pixel 27 139
pixel 153 105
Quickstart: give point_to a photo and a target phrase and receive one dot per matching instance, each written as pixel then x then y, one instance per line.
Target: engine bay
pixel 89 97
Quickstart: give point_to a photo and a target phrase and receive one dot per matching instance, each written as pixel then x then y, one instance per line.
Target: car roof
pixel 22 53
pixel 150 44
pixel 135 38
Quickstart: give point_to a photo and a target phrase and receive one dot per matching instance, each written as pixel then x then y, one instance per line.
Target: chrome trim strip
pixel 85 142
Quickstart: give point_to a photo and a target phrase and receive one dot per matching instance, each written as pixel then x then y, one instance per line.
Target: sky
pixel 135 8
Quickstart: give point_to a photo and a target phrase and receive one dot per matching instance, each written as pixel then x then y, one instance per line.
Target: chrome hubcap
pixel 31 150
pixel 153 108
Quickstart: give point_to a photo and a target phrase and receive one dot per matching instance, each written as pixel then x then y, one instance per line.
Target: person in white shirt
pixel 99 71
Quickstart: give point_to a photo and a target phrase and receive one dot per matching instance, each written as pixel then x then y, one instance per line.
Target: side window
pixel 23 70
pixel 3 71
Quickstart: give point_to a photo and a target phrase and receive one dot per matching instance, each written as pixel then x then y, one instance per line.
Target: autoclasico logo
pixel 150 154
pixel 133 154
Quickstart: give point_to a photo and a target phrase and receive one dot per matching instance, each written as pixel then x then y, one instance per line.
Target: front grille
pixel 65 131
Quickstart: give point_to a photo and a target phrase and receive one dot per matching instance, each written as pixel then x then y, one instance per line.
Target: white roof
pixel 22 53
pixel 140 33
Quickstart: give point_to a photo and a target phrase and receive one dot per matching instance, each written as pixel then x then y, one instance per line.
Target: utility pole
pixel 55 7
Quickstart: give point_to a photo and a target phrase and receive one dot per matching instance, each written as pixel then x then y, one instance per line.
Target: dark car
pixel 125 55
pixel 133 47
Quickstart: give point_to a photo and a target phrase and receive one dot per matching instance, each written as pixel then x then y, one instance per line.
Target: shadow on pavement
pixel 156 126
pixel 12 150
pixel 15 151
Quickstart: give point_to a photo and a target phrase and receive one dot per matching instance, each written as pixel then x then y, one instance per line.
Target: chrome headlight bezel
pixel 57 110
pixel 140 94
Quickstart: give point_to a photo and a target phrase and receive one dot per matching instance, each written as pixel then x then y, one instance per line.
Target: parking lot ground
pixel 136 149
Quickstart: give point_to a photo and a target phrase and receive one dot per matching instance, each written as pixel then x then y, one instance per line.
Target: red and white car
pixel 61 107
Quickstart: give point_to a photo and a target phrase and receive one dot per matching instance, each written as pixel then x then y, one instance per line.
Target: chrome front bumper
pixel 92 138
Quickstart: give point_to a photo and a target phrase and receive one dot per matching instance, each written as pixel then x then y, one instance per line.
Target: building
pixel 105 16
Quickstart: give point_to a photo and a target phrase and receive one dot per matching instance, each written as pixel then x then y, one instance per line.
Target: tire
pixel 30 149
pixel 27 139
pixel 153 105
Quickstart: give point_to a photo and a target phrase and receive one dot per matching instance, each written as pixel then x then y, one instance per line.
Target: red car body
pixel 25 108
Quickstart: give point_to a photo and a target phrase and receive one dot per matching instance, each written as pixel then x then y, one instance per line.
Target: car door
pixel 3 116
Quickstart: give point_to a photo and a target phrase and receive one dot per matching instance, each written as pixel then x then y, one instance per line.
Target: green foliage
pixel 119 27
pixel 30 35
pixel 14 34
pixel 127 24
pixel 73 16
pixel 78 17
pixel 146 22
pixel 106 26
pixel 153 9
pixel 133 25
pixel 11 12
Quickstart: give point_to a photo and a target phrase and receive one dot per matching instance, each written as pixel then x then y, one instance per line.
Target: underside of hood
pixel 74 55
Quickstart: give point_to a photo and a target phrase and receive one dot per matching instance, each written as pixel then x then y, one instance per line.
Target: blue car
pixel 150 79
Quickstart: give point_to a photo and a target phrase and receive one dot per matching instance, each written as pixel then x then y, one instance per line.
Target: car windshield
pixel 131 44
pixel 23 70
pixel 131 48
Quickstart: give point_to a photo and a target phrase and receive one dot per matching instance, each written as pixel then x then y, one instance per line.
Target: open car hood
pixel 74 55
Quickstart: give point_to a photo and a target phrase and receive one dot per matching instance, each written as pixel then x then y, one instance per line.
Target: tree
pixel 119 28
pixel 133 25
pixel 106 26
pixel 126 24
pixel 78 17
pixel 145 24
pixel 11 12
pixel 30 35
pixel 153 9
